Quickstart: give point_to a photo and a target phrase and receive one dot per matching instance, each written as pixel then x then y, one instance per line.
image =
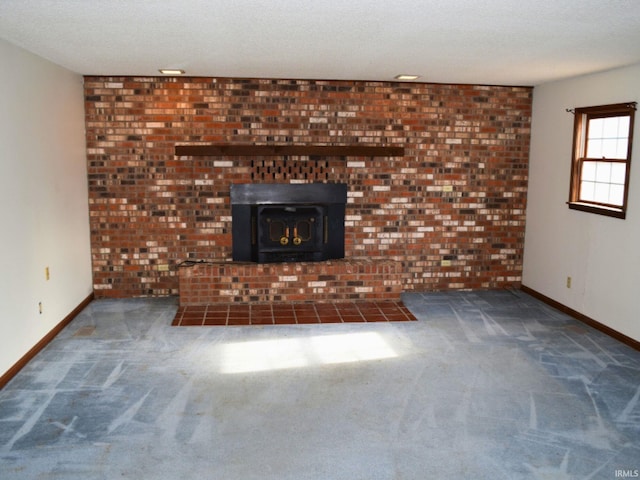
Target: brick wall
pixel 452 210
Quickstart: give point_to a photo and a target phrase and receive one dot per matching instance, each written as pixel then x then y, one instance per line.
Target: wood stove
pixel 288 222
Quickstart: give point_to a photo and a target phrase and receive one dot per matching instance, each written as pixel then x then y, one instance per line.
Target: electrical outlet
pixel 568 282
pixel 163 267
pixel 447 188
pixel 445 263
pixel 46 273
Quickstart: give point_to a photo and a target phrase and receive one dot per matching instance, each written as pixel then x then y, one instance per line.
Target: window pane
pixel 623 145
pixel 616 194
pixel 618 171
pixel 610 148
pixel 602 193
pixel 596 126
pixel 589 171
pixel 607 137
pixel 623 127
pixel 594 148
pixel 610 128
pixel 603 172
pixel 587 191
pixel 602 182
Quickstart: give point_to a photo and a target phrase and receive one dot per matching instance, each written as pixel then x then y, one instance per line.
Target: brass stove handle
pixel 296 239
pixel 284 240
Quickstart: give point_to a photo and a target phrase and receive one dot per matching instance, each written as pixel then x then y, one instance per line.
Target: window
pixel 602 159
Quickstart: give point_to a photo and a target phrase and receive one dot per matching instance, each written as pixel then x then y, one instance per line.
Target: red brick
pixel 141 192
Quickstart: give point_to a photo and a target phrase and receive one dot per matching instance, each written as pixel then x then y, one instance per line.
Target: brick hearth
pixel 292 313
pixel 330 281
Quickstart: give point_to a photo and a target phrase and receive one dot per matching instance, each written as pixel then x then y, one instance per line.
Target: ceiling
pixel 498 42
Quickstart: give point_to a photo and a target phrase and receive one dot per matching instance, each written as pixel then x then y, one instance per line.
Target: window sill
pixel 598 209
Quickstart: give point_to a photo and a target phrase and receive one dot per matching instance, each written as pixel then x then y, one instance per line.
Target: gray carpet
pixel 491 385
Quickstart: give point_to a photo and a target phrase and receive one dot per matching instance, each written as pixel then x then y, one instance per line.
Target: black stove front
pixel 290 233
pixel 288 222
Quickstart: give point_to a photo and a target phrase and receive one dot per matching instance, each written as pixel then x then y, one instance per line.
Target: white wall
pixel 43 200
pixel 601 254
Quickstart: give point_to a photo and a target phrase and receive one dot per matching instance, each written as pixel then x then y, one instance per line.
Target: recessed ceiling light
pixel 171 71
pixel 403 76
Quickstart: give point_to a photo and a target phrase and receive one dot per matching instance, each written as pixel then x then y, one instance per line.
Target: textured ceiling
pixel 503 42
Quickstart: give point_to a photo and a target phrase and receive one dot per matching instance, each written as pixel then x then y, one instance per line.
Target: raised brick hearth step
pixel 330 281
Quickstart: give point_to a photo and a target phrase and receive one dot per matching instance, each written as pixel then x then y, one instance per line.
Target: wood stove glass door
pixel 290 232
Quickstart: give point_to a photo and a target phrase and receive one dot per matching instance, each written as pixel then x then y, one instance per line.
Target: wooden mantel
pixel 284 150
